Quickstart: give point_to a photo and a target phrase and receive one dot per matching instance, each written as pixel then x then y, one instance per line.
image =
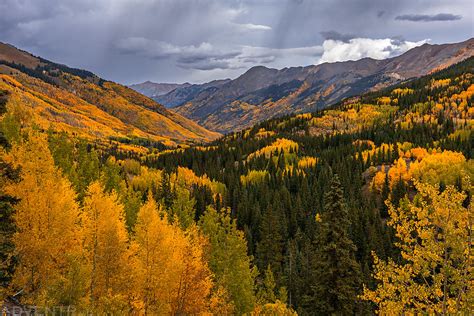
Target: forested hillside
pixel 359 208
pixel 80 103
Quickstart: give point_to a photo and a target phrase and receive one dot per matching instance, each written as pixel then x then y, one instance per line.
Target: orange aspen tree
pixel 47 240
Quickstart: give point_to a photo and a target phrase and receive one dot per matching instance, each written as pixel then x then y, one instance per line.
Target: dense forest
pixel 360 208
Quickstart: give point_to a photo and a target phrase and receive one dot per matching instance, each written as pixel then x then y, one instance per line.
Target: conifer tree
pixel 7 225
pixel 270 246
pixel 166 193
pixel 335 274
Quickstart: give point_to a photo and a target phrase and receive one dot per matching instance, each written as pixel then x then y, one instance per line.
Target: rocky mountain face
pixel 262 93
pixel 78 102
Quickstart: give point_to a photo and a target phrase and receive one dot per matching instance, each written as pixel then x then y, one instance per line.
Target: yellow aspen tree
pixel 108 251
pixel 173 275
pixel 435 239
pixel 192 295
pixel 398 172
pixel 276 308
pixel 378 181
pixel 47 240
pixel 158 262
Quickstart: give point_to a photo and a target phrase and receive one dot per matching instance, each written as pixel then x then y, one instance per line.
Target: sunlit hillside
pixel 80 103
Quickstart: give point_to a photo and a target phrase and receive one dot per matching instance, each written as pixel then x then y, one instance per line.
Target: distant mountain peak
pixel 261 92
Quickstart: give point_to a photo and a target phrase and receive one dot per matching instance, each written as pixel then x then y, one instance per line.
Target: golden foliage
pixel 446 166
pixel 83 108
pixel 254 177
pixel 435 242
pixel 378 181
pixel 173 276
pixel 106 245
pixel 280 145
pixel 440 83
pixel 146 180
pixel 187 178
pixel 262 133
pixel 351 118
pixel 384 101
pixel 278 308
pixel 47 241
pixel 399 172
pixel 376 150
pixel 402 91
pixel 307 162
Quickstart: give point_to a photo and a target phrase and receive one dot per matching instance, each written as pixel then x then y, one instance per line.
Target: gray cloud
pixel 199 40
pixel 333 35
pixel 428 18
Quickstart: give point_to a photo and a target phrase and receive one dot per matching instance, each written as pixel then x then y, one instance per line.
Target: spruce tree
pixel 271 244
pixel 334 272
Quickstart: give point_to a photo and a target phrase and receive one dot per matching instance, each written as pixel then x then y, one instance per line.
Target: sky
pixel 131 41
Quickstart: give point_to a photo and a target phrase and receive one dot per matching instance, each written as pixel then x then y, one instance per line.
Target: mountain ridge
pixel 261 92
pixel 78 101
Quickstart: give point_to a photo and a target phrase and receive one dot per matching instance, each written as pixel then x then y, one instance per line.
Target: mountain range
pixel 79 102
pixel 262 93
pixel 154 90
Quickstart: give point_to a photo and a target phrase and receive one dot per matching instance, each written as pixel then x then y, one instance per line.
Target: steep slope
pixel 262 93
pixel 78 101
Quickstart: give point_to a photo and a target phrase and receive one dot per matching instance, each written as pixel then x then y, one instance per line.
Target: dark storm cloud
pixel 333 35
pixel 199 40
pixel 428 18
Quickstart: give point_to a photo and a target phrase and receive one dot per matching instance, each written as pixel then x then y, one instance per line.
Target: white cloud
pixel 358 48
pixel 255 27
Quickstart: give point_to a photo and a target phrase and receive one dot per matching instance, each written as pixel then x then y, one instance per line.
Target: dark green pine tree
pixel 271 244
pixel 166 192
pixel 334 272
pixel 7 225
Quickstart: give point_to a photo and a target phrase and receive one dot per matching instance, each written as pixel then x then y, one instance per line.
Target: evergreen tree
pixel 270 247
pixel 166 192
pixel 7 225
pixel 335 274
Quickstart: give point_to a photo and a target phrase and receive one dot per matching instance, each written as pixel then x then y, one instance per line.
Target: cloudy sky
pixel 131 41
